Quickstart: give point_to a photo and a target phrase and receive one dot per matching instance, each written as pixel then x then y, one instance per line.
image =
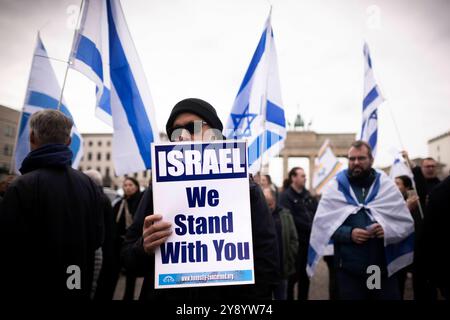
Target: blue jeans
pixel 354 287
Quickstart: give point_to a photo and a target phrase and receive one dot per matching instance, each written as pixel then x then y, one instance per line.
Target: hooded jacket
pixel 51 223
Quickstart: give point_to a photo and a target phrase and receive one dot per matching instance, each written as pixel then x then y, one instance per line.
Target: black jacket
pixel 424 186
pixel 133 203
pixel 264 248
pixel 435 240
pixel 106 283
pixel 50 219
pixel 303 207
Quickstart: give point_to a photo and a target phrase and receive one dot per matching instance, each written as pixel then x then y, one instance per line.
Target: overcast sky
pixel 202 48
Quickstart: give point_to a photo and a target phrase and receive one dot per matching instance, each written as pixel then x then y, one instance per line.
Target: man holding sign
pixel 205 242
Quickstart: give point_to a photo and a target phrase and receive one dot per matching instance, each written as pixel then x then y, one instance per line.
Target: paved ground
pixel 318 289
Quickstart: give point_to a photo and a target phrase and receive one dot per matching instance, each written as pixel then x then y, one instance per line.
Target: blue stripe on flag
pixel 75 146
pixel 393 251
pixel 255 60
pixel 125 85
pixel 275 114
pixel 371 96
pixel 255 149
pixel 312 254
pixel 89 54
pixel 42 100
pixel 105 101
pixel 344 187
pixel 373 140
pixel 24 122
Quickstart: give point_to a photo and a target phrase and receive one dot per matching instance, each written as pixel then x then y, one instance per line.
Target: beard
pixel 359 172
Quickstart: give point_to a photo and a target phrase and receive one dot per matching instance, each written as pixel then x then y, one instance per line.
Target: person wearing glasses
pixel 363 214
pixel 196 120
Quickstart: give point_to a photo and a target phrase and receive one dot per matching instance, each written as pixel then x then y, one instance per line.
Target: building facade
pixel 97 154
pixel 439 149
pixel 9 118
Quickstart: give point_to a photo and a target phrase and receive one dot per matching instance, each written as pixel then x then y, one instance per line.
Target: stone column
pixel 311 171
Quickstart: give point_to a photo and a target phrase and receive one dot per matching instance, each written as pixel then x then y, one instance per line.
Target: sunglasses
pixel 190 128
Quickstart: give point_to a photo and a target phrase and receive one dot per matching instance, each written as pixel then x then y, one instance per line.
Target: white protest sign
pixel 203 190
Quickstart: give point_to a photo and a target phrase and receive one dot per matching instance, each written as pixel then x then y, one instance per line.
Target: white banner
pixel 203 190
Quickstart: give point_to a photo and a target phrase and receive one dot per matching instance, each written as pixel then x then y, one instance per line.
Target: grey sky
pixel 202 48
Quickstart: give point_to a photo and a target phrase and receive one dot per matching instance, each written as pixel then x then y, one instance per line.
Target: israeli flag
pixel 372 99
pixel 257 114
pixel 326 167
pixel 384 204
pixel 400 168
pixel 105 53
pixel 43 92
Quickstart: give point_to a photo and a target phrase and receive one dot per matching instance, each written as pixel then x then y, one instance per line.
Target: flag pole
pixel 264 98
pixel 70 55
pixel 407 160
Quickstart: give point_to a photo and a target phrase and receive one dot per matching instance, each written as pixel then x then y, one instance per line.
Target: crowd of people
pixel 53 217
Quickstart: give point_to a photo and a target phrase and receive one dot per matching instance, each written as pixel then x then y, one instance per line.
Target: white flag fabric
pixel 258 114
pixel 385 205
pixel 400 168
pixel 43 92
pixel 372 99
pixel 105 53
pixel 326 167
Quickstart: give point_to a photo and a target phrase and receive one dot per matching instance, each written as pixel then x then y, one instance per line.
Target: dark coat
pixel 424 186
pixel 107 279
pixel 264 248
pixel 50 219
pixel 133 203
pixel 435 238
pixel 302 207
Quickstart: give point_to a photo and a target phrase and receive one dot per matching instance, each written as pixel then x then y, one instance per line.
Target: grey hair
pixel 95 176
pixel 50 126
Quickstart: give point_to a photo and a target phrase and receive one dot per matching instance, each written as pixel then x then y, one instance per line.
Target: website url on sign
pixel 208 277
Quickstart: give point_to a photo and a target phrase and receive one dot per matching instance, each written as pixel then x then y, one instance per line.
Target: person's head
pixel 404 183
pixel 130 186
pixel 360 159
pixel 95 176
pixel 297 178
pixel 49 126
pixel 270 198
pixel 266 181
pixel 194 119
pixel 429 168
pixel 257 177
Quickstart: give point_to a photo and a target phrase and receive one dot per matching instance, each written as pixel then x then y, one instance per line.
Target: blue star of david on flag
pixel 259 93
pixel 237 120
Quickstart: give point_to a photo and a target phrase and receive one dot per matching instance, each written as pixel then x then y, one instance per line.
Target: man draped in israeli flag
pixel 364 215
pixel 372 99
pixel 105 53
pixel 257 114
pixel 43 92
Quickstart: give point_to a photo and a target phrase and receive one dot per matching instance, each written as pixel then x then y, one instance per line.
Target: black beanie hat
pixel 199 107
